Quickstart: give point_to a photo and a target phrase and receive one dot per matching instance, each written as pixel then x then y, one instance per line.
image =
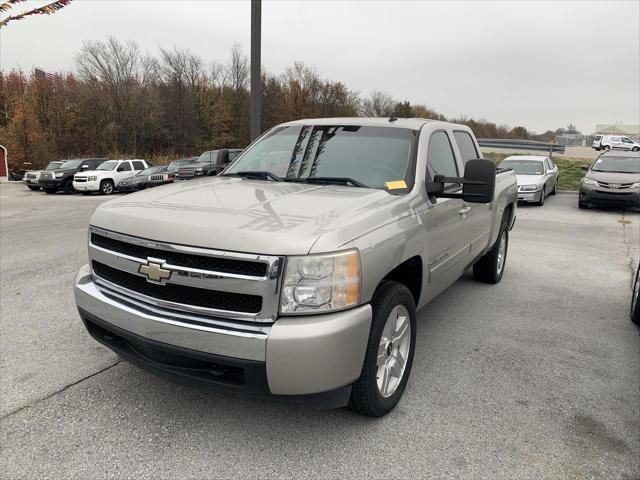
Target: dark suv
pixel 62 178
pixel 209 163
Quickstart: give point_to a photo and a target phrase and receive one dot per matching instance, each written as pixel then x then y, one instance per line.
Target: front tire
pixel 50 190
pixel 582 205
pixel 540 202
pixel 387 363
pixel 31 187
pixel 106 187
pixel 490 268
pixel 634 312
pixel 68 187
pixel 555 188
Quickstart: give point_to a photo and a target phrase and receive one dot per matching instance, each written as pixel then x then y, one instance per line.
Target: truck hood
pixel 614 177
pixel 530 179
pixel 94 172
pixel 253 216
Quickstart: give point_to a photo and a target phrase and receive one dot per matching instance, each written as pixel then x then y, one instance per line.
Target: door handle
pixel 464 210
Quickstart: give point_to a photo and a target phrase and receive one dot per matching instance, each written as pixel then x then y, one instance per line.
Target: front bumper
pixel 605 196
pixel 529 196
pixel 86 186
pixel 50 184
pixel 318 356
pixel 31 182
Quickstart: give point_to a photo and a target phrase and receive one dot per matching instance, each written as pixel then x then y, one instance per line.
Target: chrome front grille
pixel 615 185
pixel 80 179
pixel 207 282
pixel 32 176
pixel 186 171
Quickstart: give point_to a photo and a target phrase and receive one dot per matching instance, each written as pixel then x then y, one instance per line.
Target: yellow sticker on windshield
pixel 396 185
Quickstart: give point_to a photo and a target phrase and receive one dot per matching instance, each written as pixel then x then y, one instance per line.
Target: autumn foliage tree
pixel 121 102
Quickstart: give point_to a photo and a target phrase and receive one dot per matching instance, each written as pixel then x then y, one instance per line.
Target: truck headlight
pixel 529 188
pixel 635 185
pixel 59 174
pixel 588 181
pixel 321 283
pixel 92 178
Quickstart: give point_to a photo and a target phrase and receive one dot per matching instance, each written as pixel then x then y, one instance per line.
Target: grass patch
pixel 570 172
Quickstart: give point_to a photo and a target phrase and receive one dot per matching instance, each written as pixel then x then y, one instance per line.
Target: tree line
pixel 122 102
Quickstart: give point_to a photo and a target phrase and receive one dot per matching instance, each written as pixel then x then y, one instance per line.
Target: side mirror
pixel 120 168
pixel 584 168
pixel 84 167
pixel 550 172
pixel 478 183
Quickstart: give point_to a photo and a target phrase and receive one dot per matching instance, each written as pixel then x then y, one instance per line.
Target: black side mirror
pixel 478 183
pixel 584 168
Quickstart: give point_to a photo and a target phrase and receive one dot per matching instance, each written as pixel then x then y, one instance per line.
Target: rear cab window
pixel 466 146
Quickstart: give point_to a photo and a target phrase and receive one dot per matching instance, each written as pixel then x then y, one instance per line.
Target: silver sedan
pixel 537 177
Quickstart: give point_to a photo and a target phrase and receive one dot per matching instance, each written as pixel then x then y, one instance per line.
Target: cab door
pixel 123 171
pixel 478 216
pixel 447 236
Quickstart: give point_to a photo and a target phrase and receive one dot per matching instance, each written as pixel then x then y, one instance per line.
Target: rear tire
pixel 31 187
pixel 606 147
pixel 490 268
pixel 389 356
pixel 106 187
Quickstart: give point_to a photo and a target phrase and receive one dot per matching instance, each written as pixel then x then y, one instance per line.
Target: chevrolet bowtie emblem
pixel 154 272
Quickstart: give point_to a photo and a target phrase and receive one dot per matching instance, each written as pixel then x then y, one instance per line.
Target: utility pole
pixel 256 94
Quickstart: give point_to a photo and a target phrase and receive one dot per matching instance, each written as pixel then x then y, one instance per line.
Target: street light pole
pixel 256 103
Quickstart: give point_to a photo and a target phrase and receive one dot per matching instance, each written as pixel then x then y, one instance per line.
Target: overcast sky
pixel 538 64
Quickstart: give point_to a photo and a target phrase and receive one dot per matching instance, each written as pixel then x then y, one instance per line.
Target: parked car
pixel 160 177
pixel 634 312
pixel 346 244
pixel 613 179
pixel 606 142
pixel 62 177
pixel 173 167
pixel 32 176
pixel 107 177
pixel 537 176
pixel 140 180
pixel 207 164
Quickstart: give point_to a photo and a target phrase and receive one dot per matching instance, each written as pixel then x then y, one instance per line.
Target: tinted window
pixel 124 167
pixel 233 155
pixel 466 146
pixel 440 158
pixel 373 156
pixel 70 164
pixel 138 165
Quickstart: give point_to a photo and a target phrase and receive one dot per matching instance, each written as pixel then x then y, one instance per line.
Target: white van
pixel 620 142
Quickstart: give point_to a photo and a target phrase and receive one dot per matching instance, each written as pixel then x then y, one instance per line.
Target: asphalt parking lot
pixel 536 377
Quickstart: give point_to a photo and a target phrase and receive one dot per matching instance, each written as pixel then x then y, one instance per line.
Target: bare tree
pixel 379 104
pixel 238 69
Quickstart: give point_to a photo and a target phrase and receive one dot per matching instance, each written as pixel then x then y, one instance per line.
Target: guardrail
pixel 512 144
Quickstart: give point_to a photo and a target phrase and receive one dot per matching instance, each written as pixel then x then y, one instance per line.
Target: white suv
pixel 108 175
pixel 620 142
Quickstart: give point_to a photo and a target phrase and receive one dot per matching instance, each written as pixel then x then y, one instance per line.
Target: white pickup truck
pixel 107 176
pixel 297 271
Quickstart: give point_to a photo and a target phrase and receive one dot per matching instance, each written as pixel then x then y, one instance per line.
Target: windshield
pixel 208 157
pixel 373 156
pixel 524 167
pixel 69 164
pixel 110 165
pixel 149 171
pixel 54 165
pixel 617 164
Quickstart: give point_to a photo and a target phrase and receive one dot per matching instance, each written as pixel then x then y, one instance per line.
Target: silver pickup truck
pixel 298 271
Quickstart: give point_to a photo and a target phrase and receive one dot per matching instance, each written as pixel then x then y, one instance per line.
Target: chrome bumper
pixel 303 355
pixel 529 196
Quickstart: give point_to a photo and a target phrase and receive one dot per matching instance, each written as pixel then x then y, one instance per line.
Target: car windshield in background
pixel 373 156
pixel 110 165
pixel 524 167
pixel 69 164
pixel 617 164
pixel 150 170
pixel 54 165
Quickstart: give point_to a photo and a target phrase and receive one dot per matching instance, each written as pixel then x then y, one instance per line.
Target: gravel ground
pixel 536 377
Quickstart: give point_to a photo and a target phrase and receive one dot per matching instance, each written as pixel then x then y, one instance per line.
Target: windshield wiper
pixel 329 181
pixel 256 175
